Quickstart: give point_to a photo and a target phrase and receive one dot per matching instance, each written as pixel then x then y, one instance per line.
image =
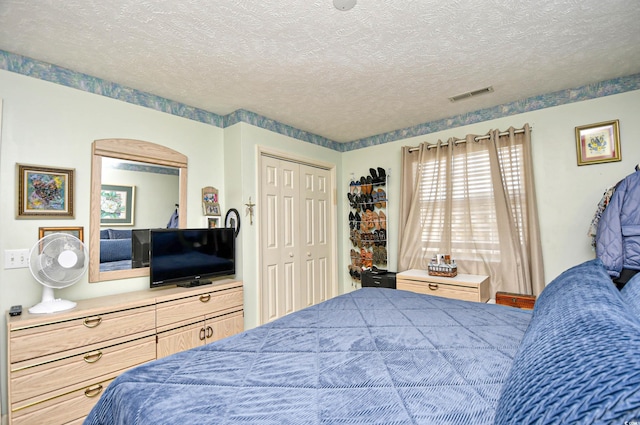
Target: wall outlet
pixel 16 258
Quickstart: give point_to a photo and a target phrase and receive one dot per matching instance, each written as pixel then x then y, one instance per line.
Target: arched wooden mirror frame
pixel 132 150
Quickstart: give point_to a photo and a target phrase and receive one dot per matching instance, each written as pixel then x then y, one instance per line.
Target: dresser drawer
pixel 63 409
pixel 187 308
pixel 27 380
pixel 36 341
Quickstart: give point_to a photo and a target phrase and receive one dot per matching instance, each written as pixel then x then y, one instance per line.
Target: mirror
pixel 131 172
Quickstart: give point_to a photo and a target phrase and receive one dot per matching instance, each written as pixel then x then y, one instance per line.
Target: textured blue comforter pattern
pixel 579 362
pixel 373 356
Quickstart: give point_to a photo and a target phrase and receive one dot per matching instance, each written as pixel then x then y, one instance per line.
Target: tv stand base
pixel 194 283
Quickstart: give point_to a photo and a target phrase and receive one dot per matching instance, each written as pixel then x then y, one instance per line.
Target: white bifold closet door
pixel 296 238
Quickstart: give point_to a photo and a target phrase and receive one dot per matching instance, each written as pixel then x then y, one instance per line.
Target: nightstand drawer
pixel 462 287
pixel 441 290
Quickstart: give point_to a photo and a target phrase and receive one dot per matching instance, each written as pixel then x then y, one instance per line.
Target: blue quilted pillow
pixel 579 359
pixel 631 294
pixel 104 234
pixel 115 250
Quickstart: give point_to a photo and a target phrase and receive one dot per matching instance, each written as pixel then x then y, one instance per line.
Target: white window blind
pixel 467 209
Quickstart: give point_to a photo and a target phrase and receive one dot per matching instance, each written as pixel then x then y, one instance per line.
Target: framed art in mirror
pixel 117 204
pixel 45 192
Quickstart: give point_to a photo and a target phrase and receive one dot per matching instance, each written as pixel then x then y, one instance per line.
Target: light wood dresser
pixel 467 287
pixel 60 363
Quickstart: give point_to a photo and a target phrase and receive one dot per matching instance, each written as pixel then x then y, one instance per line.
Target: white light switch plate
pixel 16 258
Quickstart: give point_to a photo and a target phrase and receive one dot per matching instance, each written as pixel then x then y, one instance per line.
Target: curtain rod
pixel 476 139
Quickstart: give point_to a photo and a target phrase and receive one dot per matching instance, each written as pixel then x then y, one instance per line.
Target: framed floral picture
pixel 117 204
pixel 598 143
pixel 45 192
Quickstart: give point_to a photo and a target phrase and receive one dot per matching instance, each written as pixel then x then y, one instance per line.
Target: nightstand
pixel 378 280
pixel 467 287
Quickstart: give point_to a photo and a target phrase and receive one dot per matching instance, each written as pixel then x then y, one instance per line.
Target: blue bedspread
pixel 373 356
pixel 579 362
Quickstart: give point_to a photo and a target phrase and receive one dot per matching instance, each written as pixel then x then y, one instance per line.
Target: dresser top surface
pixel 116 302
pixel 460 279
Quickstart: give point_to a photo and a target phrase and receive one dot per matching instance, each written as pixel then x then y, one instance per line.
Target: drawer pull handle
pixel 209 331
pixel 92 322
pixel 93 391
pixel 202 334
pixel 93 357
pixel 205 298
pixel 433 286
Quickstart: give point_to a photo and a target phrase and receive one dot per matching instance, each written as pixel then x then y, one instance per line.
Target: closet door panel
pixel 317 250
pixel 280 272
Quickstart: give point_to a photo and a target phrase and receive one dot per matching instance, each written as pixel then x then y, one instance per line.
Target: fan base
pixel 52 306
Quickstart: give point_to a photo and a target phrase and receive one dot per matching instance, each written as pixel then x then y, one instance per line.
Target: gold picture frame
pixel 45 191
pixel 598 143
pixel 78 232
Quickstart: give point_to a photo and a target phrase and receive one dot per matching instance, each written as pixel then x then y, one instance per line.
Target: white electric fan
pixel 56 261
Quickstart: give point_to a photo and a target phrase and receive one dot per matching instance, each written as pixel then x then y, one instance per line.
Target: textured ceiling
pixel 382 66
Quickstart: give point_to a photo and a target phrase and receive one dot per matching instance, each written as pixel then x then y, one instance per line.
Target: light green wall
pixel 567 194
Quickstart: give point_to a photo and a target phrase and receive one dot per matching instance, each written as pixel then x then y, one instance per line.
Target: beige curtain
pixel 473 198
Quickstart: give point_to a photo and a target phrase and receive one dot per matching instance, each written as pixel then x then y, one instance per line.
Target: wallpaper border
pixel 55 74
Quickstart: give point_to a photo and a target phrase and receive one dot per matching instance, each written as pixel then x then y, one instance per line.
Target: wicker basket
pixel 442 270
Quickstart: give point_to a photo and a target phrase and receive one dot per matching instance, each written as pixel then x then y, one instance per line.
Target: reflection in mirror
pixel 135 186
pixel 134 197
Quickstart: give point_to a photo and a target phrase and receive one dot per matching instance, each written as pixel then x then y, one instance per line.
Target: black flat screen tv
pixel 190 257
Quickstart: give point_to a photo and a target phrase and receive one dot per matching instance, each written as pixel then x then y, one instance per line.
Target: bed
pixel 384 356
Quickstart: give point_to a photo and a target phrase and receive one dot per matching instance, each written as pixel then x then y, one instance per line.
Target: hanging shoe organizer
pixel 368 222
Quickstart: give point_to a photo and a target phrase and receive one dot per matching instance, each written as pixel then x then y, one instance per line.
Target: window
pixel 462 208
pixel 473 199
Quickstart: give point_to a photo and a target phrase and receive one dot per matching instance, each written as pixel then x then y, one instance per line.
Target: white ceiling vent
pixel 471 94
